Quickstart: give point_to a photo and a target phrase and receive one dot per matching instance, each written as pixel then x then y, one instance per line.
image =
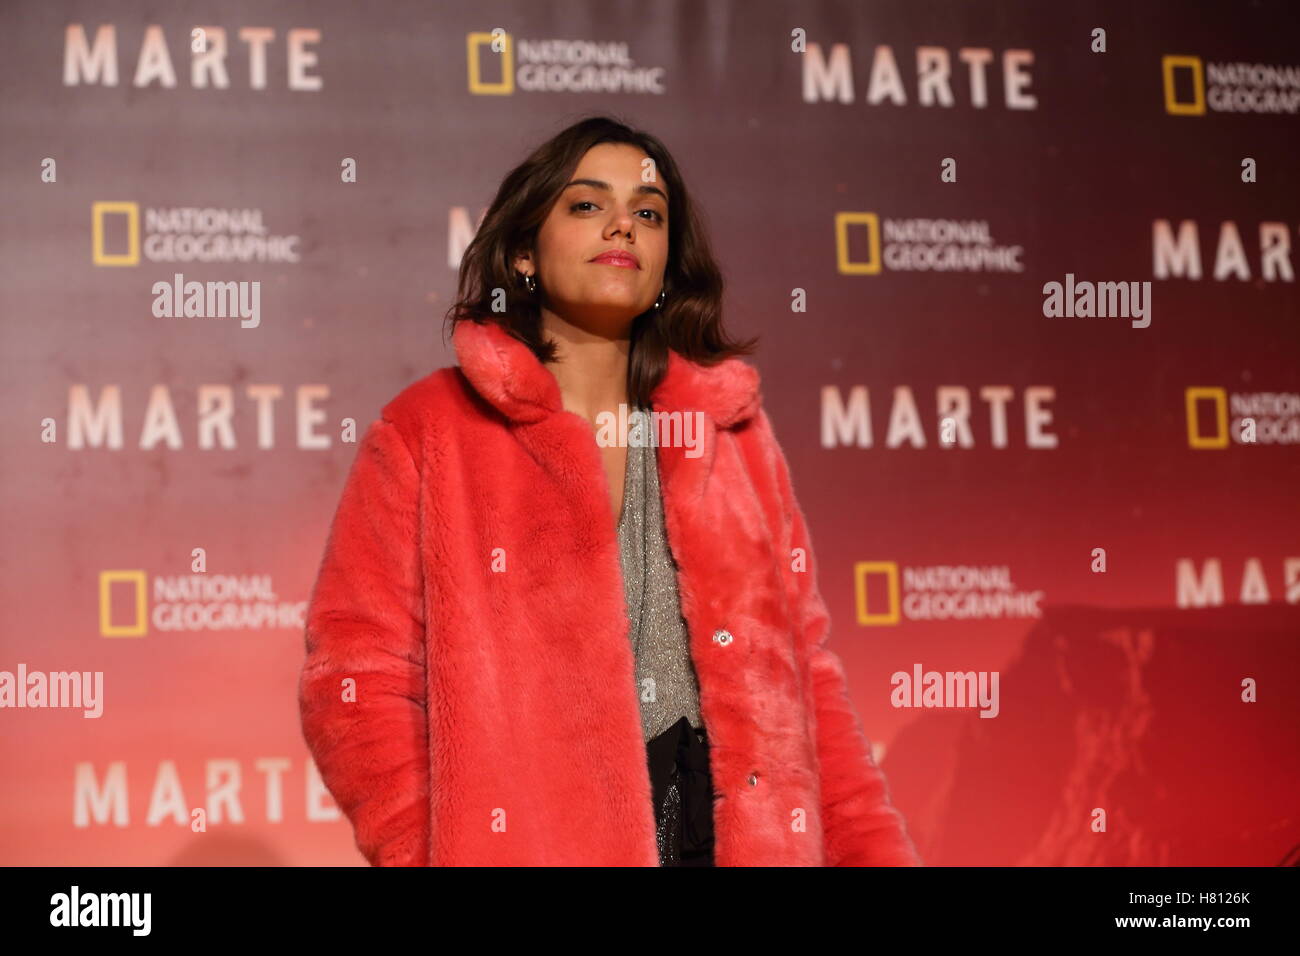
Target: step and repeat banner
pixel 1024 277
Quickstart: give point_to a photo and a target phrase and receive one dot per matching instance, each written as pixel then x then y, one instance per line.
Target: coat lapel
pixel 506 373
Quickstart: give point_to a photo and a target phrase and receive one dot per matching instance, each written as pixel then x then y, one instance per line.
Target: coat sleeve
pixel 365 624
pixel 861 825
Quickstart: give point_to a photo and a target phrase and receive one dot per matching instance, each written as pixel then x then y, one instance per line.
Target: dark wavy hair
pixel 690 319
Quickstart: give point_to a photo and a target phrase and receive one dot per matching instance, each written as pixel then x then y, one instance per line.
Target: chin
pixel 605 306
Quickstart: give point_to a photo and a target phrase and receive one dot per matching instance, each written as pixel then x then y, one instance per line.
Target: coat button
pixel 723 637
pixel 753 780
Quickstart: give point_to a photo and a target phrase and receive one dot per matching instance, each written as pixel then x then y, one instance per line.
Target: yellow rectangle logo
pixel 1220 399
pixel 842 222
pixel 1172 106
pixel 506 85
pixel 97 213
pixel 860 571
pixel 106 626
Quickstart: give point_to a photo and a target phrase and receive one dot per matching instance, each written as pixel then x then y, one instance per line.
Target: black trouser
pixel 683 795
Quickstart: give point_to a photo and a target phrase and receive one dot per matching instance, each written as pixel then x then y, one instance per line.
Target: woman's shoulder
pixel 440 402
pixel 764 454
pixel 728 390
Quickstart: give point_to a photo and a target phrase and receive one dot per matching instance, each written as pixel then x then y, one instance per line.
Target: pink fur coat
pixel 468 693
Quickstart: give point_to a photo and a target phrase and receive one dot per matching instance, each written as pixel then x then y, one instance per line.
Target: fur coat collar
pixel 507 374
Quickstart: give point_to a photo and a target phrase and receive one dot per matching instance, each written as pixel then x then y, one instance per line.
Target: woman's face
pixel 607 207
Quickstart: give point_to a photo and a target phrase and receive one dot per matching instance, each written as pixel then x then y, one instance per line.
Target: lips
pixel 616 257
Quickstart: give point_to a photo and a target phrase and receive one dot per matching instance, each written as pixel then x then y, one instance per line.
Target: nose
pixel 622 222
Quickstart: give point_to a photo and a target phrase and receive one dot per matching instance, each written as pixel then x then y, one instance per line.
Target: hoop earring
pixel 530 283
pixel 659 302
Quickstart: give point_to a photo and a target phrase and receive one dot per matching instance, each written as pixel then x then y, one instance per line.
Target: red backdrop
pixel 889 188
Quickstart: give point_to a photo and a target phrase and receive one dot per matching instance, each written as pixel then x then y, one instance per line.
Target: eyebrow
pixel 601 184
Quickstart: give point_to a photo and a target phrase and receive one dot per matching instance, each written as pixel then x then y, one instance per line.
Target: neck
pixel 591 368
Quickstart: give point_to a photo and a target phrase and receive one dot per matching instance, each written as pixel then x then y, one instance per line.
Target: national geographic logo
pixel 865 244
pixel 192 602
pixel 183 234
pixel 1216 419
pixel 555 66
pixel 938 593
pixel 1191 86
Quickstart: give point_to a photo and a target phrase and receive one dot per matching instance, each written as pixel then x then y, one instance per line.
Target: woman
pixel 567 613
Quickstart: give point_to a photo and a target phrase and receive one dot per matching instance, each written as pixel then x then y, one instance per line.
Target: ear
pixel 520 259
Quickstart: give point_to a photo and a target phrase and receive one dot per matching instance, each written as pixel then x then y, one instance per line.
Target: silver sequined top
pixel 666 684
